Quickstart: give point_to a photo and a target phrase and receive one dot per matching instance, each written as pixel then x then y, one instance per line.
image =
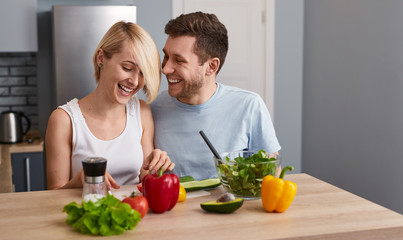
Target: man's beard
pixel 191 88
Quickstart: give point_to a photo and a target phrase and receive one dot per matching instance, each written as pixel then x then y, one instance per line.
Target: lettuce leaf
pixel 107 216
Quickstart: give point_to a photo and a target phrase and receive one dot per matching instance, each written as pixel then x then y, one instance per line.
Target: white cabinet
pixel 18 26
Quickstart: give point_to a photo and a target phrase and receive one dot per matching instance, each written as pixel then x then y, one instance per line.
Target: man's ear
pixel 213 65
pixel 100 56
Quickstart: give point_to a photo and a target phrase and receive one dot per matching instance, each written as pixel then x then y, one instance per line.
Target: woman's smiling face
pixel 121 76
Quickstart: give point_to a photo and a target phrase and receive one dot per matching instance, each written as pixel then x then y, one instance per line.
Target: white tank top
pixel 124 154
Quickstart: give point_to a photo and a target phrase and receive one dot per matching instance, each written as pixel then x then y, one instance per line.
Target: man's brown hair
pixel 211 35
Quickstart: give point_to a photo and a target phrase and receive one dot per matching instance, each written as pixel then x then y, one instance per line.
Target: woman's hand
pixel 158 159
pixel 78 181
pixel 110 182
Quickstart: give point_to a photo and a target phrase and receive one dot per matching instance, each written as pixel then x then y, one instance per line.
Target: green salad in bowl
pixel 242 172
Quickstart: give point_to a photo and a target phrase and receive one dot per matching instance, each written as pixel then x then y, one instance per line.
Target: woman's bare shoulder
pixel 59 116
pixel 59 123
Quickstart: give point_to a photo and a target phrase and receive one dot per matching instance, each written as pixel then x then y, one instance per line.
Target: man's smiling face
pixel 185 74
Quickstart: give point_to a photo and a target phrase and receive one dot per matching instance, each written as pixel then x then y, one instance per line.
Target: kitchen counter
pixel 319 211
pixel 6 150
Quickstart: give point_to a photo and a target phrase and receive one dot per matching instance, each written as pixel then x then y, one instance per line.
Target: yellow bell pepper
pixel 277 194
pixel 182 194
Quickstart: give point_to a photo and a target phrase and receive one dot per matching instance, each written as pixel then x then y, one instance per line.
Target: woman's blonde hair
pixel 143 49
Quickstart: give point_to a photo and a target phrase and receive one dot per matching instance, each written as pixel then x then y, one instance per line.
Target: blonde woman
pixel 110 122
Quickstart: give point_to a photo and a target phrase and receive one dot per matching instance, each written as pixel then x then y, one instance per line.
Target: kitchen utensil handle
pixel 27 174
pixel 213 150
pixel 28 123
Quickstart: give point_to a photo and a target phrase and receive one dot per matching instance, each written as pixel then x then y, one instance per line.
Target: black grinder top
pixel 94 166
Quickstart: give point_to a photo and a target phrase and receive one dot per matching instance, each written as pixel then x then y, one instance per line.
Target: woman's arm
pixel 153 158
pixel 147 139
pixel 58 143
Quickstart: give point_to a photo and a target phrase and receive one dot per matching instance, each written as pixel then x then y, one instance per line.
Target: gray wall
pixel 353 97
pixel 152 15
pixel 289 19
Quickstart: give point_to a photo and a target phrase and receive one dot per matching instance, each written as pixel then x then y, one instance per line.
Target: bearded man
pixel 232 118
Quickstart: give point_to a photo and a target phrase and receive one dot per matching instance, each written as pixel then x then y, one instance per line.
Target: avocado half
pixel 222 207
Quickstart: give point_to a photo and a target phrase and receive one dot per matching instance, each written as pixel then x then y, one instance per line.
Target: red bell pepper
pixel 161 191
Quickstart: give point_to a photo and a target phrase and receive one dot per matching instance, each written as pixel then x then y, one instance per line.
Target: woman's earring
pixel 100 65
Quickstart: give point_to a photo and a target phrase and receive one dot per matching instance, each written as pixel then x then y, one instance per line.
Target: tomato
pixel 138 203
pixel 140 187
pixel 182 194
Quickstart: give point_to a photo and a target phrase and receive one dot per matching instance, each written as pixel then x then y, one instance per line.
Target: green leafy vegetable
pixel 244 175
pixel 107 216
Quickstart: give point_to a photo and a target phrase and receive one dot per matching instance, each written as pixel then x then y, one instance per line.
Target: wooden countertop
pixel 5 157
pixel 319 211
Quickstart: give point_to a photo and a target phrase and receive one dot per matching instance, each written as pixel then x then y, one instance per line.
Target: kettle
pixel 11 126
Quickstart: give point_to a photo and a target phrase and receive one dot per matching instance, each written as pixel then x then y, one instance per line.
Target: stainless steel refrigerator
pixel 77 31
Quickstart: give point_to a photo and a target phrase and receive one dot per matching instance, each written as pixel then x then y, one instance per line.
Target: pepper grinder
pixel 94 184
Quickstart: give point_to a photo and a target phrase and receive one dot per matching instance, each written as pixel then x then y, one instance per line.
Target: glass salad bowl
pixel 241 172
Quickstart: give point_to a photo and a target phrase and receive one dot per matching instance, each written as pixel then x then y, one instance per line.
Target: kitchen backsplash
pixel 18 85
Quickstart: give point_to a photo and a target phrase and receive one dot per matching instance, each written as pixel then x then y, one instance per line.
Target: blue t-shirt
pixel 233 119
